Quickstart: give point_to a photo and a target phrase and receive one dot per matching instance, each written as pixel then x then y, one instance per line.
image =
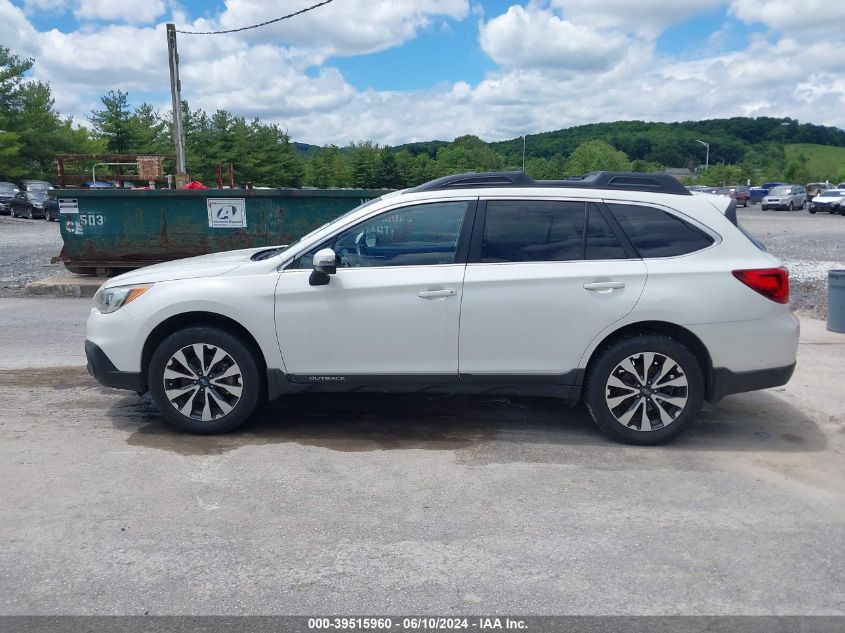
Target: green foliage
pixel 31 131
pixel 12 71
pixel 720 175
pixel 113 123
pixel 816 163
pixel 595 156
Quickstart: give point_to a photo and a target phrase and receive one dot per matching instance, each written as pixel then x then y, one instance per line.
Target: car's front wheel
pixel 205 380
pixel 645 390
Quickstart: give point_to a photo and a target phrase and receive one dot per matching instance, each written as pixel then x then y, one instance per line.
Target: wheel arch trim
pixel 196 318
pixel 673 330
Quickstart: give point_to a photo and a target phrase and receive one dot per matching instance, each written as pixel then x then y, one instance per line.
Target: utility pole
pixel 707 156
pixel 176 96
pixel 523 153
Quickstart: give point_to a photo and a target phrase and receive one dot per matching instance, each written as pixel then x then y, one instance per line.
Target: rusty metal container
pixel 109 231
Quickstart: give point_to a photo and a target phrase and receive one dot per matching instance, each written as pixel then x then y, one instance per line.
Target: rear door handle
pixel 437 294
pixel 604 286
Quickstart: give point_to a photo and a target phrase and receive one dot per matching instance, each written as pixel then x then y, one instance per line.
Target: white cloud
pixel 345 27
pixel 531 38
pixel 560 63
pixel 16 32
pixel 131 11
pixel 56 6
pixel 645 18
pixel 790 16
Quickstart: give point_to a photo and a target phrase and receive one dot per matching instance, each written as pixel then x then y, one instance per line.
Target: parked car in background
pixel 7 192
pixel 35 185
pixel 815 188
pixel 758 193
pixel 788 197
pixel 51 209
pixel 841 185
pixel 736 192
pixel 28 204
pixel 832 201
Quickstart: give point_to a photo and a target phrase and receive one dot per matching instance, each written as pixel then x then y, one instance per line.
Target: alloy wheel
pixel 647 391
pixel 203 382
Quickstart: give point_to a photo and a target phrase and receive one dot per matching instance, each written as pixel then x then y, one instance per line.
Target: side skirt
pixel 563 386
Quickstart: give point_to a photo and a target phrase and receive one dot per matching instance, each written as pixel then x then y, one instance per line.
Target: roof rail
pixel 617 180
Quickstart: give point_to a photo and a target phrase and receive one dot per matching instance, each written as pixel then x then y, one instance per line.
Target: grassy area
pixel 823 161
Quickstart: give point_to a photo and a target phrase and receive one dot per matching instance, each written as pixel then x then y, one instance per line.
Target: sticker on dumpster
pixel 226 213
pixel 68 205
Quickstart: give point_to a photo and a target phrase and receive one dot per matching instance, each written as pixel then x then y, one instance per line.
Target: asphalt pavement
pixel 376 504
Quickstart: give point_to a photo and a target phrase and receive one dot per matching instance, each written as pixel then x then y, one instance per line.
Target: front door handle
pixel 437 294
pixel 604 286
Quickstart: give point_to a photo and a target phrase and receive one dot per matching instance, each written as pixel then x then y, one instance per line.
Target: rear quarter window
pixel 656 233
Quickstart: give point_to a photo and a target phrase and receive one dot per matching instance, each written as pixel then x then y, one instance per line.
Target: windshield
pixel 38 185
pixel 337 219
pixel 36 195
pixel 781 191
pixel 7 186
pixel 832 194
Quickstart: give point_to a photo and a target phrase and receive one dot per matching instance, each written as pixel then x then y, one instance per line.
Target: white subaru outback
pixel 622 289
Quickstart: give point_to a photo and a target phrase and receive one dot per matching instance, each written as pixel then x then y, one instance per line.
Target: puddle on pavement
pixel 360 423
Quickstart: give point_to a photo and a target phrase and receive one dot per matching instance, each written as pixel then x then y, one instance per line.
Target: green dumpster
pixel 107 231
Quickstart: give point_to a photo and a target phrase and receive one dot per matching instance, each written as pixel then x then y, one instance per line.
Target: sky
pixel 397 71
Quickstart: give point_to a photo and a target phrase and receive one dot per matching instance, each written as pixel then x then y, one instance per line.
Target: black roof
pixel 616 180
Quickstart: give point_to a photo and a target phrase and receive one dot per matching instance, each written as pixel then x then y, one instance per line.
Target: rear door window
pixel 656 233
pixel 602 242
pixel 532 231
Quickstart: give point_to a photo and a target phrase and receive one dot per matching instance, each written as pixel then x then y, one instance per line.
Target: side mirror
pixel 325 264
pixel 325 261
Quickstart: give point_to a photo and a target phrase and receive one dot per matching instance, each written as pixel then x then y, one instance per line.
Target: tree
pixel 388 176
pixel 12 71
pixel 114 122
pixel 596 156
pixel 365 164
pixel 149 131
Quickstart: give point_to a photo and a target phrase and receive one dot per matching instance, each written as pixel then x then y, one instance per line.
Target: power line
pixel 255 26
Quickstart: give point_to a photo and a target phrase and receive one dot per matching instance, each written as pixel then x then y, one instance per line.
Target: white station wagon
pixel 620 289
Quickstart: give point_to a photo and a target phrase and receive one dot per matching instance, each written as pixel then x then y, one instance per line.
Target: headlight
pixel 38 205
pixel 108 300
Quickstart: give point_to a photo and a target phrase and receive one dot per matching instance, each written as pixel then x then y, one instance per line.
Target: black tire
pixel 12 212
pixel 812 211
pixel 595 388
pixel 29 214
pixel 791 206
pixel 250 379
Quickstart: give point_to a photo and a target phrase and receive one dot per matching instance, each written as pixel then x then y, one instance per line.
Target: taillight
pixel 772 283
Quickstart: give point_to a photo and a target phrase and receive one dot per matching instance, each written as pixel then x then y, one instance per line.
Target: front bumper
pixel 104 371
pixel 724 382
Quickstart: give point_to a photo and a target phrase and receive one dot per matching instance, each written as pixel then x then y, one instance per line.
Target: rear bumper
pixel 107 374
pixel 724 382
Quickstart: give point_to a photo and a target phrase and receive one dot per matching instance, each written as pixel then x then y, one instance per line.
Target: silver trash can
pixel 836 301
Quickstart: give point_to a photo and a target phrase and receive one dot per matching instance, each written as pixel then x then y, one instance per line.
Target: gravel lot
pixel 809 244
pixel 26 247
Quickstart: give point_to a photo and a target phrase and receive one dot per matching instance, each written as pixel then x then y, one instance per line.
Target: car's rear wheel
pixel 205 380
pixel 645 390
